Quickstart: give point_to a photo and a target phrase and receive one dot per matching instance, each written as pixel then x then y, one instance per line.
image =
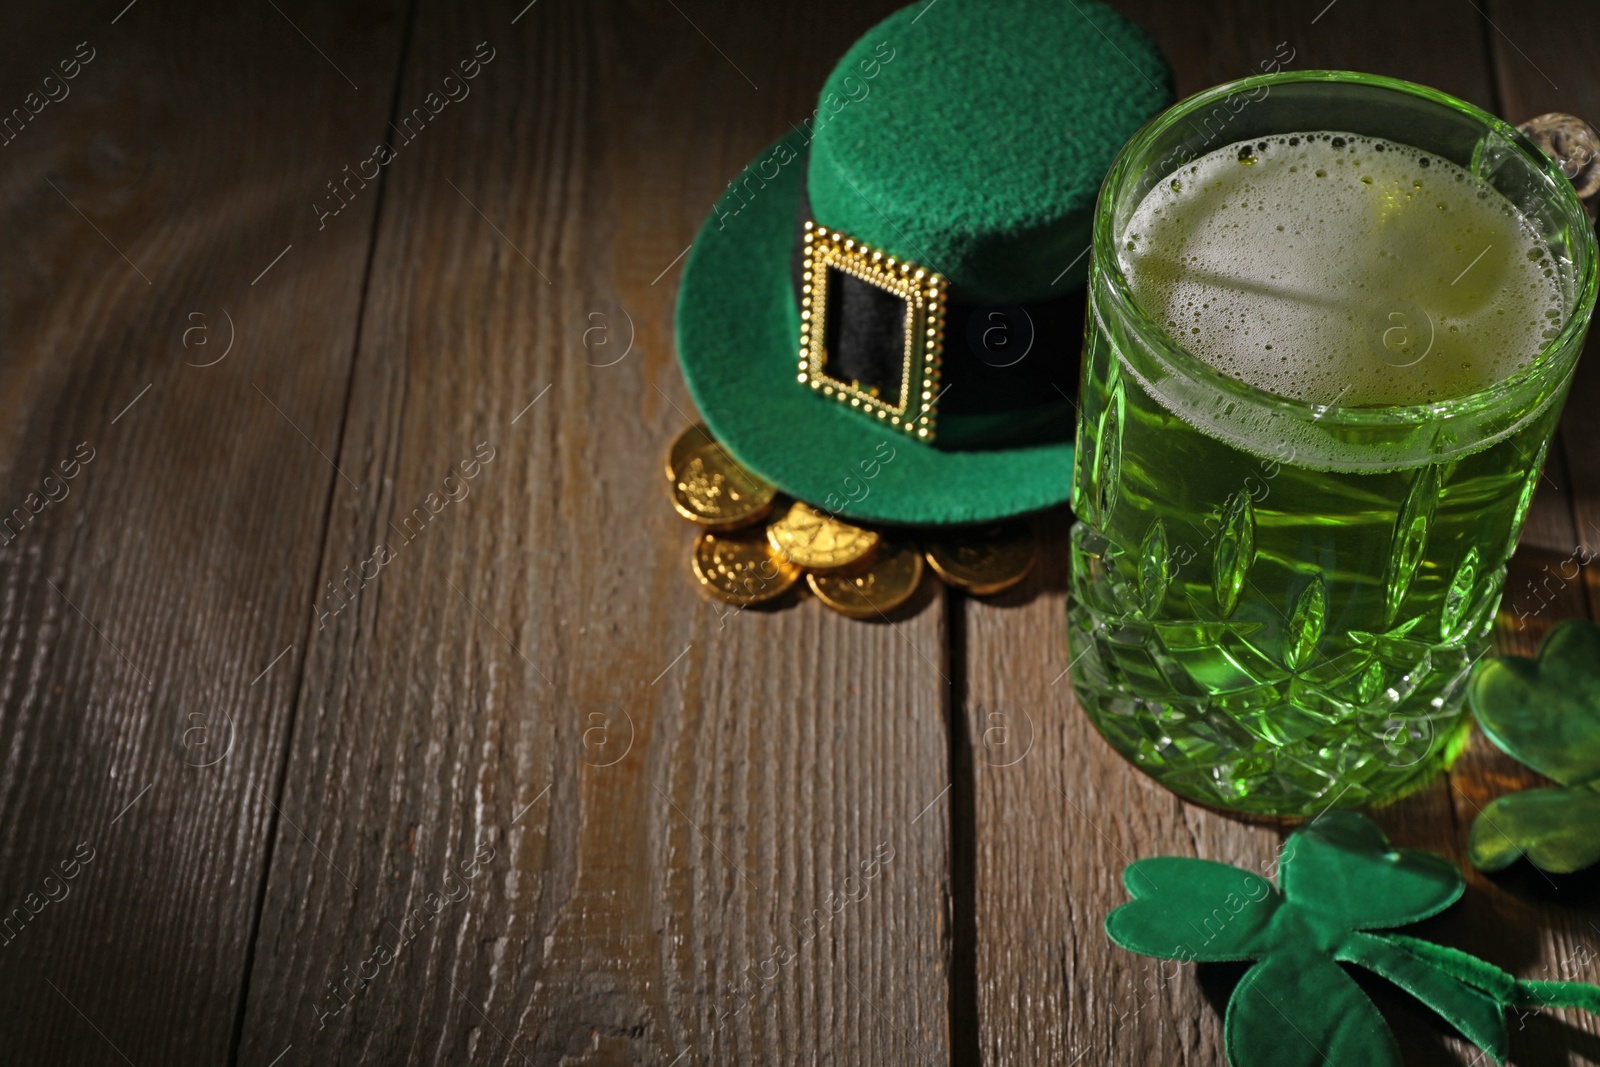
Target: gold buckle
pixel 923 292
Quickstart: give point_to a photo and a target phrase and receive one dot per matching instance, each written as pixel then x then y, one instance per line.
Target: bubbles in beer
pixel 1331 267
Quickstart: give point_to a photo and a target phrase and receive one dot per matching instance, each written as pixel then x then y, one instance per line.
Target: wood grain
pixel 669 795
pixel 141 611
pixel 510 790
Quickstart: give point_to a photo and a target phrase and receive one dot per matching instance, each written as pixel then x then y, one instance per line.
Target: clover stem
pixel 1499 984
pixel 1558 995
pixel 1478 1015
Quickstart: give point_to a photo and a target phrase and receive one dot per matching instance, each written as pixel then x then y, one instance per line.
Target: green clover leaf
pixel 1554 828
pixel 1167 922
pixel 1545 713
pixel 1342 868
pixel 1297 1007
pixel 1274 1018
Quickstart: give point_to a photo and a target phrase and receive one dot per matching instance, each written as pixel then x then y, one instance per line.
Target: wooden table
pixel 515 772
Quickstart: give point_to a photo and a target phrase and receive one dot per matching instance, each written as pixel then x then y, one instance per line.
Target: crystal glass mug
pixel 1279 614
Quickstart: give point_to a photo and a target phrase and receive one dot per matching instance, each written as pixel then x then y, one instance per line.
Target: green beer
pixel 1294 520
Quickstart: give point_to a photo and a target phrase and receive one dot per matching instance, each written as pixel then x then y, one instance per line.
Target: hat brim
pixel 738 336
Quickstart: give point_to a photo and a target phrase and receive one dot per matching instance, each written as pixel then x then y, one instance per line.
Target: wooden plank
pixel 1058 814
pixel 153 615
pixel 1055 827
pixel 667 795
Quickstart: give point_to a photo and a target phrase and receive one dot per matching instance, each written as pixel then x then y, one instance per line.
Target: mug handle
pixel 1575 146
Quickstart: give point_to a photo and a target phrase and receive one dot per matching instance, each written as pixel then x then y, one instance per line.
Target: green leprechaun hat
pixel 895 276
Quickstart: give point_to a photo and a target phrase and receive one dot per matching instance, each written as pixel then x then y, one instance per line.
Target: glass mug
pixel 1277 613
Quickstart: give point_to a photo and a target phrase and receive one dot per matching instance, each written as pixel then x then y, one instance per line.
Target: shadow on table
pixel 1052 571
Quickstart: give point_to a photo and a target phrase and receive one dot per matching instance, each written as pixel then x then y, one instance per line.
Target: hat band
pixel 879 335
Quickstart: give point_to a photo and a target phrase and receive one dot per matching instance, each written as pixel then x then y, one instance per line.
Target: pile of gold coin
pixel 755 545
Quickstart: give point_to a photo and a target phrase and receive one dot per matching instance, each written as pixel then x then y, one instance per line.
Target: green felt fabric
pixel 971 135
pixel 978 146
pixel 1559 995
pixel 738 344
pixel 1164 921
pixel 1544 712
pixel 1305 1011
pixel 1499 985
pixel 1479 1017
pixel 1340 880
pixel 1344 868
pixel 1461 966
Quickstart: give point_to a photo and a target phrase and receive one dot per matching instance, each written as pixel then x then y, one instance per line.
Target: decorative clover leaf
pixel 1340 880
pixel 1544 712
pixel 1342 868
pixel 1293 1009
pixel 1557 829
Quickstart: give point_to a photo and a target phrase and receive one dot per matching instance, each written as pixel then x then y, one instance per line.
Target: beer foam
pixel 1339 269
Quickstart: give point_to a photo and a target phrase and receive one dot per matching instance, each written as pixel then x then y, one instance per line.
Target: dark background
pixel 585 800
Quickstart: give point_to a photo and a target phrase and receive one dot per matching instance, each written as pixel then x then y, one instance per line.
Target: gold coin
pixel 811 539
pixel 894 575
pixel 985 560
pixel 741 569
pixel 713 491
pixel 687 442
